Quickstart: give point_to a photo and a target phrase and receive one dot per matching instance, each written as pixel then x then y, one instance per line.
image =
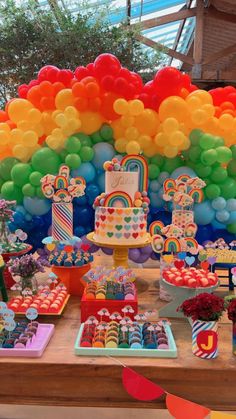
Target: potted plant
pixel 204 310
pixel 6 215
pixel 231 309
pixel 26 267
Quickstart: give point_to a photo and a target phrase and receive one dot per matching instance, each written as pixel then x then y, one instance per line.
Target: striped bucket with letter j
pixel 205 339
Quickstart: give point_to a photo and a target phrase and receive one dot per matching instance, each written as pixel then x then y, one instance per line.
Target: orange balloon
pixel 34 96
pixel 57 87
pixel 94 104
pixel 81 103
pixel 174 106
pixel 46 88
pixel 78 89
pixel 90 122
pixel 107 110
pixel 147 122
pixel 92 90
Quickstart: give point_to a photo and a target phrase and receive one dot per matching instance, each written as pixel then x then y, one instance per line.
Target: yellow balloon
pixel 63 99
pixel 61 120
pixel 120 145
pixel 193 103
pixel 161 139
pixel 151 151
pixel 136 107
pixel 226 122
pixel 145 141
pixel 118 129
pixel 71 112
pixel 209 109
pixel 211 125
pixel 53 143
pixel 29 137
pixel 170 151
pixel 34 116
pixel 4 137
pixel 25 125
pixel 39 130
pixel 174 106
pixel 147 122
pixel 131 133
pixel 203 96
pixel 177 138
pixel 57 133
pixel 48 123
pixel 127 121
pixel 90 122
pixel 18 109
pixel 186 144
pixel 21 152
pixel 16 135
pixel 4 127
pixel 199 117
pixel 133 147
pixel 121 106
pixel 170 125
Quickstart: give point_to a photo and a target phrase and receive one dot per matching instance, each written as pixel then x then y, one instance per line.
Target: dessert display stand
pixel 120 251
pixel 71 276
pixel 2 285
pixel 179 295
pixel 9 281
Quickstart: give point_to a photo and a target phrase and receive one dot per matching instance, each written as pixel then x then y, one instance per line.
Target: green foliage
pixel 31 37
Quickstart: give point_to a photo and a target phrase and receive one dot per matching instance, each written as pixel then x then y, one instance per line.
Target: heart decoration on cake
pixel 168 258
pixel 182 255
pixel 110 218
pixel 135 235
pixel 211 260
pixel 127 219
pixel 135 211
pixel 127 227
pixel 118 235
pixel 127 235
pixel 190 260
pixel 205 265
pixel 179 264
pixel 111 210
pixel 135 219
pixel 110 234
pixel 103 217
pixel 135 226
pixel 118 227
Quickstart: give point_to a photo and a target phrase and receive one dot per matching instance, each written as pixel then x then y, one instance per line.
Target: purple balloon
pixel 85 240
pixel 107 251
pixel 147 250
pixel 154 256
pixel 77 245
pixel 142 258
pixel 50 231
pixel 93 248
pixel 134 254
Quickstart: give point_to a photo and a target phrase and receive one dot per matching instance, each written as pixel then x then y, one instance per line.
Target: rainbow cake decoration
pixel 121 211
pixel 62 190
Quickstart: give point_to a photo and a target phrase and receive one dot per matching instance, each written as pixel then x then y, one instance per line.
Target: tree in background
pixel 31 38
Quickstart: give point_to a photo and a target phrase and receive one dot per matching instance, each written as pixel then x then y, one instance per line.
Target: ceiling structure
pixel 197 35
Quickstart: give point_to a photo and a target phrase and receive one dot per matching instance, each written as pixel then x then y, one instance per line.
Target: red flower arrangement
pixel 205 307
pixel 231 308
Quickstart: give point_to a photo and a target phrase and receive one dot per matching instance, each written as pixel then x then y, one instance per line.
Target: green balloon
pixel 29 190
pixel 84 139
pixel 219 174
pixel 106 132
pixel 228 188
pixel 1 183
pixel 202 170
pixel 207 141
pixel 96 137
pixel 73 161
pixel 212 191
pixel 73 144
pixel 224 154
pixel 63 153
pixel 232 228
pixel 233 149
pixel 219 141
pixel 6 166
pixel 11 192
pixel 171 164
pixel 195 136
pixel 35 178
pixel 20 173
pixel 153 171
pixel 46 161
pixel 39 193
pixel 194 154
pixel 208 157
pixel 158 160
pixel 232 168
pixel 86 154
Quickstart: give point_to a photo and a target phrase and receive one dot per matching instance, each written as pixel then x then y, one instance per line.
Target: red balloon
pixel 107 83
pixel 81 72
pixel 91 69
pixel 52 74
pixel 185 81
pixel 23 90
pixel 168 77
pixel 65 77
pixel 124 72
pixel 3 116
pixel 218 95
pixel 145 98
pixel 232 98
pixel 43 73
pixel 106 64
pixel 121 86
pixel 33 83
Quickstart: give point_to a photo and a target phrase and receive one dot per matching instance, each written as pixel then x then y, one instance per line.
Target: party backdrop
pixel 88 116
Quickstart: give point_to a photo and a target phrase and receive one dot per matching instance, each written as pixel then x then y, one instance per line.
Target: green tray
pixel 147 353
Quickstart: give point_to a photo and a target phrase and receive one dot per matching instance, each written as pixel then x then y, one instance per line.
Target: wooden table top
pixel 61 378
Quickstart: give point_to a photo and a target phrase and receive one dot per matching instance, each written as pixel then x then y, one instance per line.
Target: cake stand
pixel 9 281
pixel 179 295
pixel 121 251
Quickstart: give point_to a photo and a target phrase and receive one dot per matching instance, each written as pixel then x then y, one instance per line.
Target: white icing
pixel 122 181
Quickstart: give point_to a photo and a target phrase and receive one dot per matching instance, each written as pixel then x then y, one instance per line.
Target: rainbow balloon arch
pixel 86 117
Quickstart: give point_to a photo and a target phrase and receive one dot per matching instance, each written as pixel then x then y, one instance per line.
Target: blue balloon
pixel 160 193
pixel 231 205
pixel 204 233
pixel 84 216
pixel 184 170
pixel 79 231
pixel 154 186
pixel 28 217
pixel 232 218
pixel 102 153
pixel 156 201
pixel 92 191
pixel 20 208
pixel 218 203
pixel 101 182
pixel 222 216
pixel 86 170
pixel 36 206
pixel 81 201
pixel 162 177
pixel 217 226
pixel 204 213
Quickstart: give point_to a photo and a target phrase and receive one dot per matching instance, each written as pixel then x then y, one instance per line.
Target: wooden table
pixel 61 378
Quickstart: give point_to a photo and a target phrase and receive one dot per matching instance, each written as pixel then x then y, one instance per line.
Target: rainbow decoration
pixel 155 227
pixel 172 245
pixel 62 195
pixel 191 242
pixel 196 194
pixel 132 160
pixel 118 199
pixel 183 178
pixel 60 182
pixel 62 221
pixel 170 191
pixel 64 171
pixel 157 243
pixel 79 180
pixel 205 339
pixel 169 184
pixel 190 230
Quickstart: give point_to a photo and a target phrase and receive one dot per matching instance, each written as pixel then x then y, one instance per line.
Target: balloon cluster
pixel 86 117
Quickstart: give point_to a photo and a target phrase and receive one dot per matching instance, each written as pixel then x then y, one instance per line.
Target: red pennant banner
pixel 139 387
pixel 184 409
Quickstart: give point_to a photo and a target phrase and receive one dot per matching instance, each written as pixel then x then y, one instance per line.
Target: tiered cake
pixel 121 211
